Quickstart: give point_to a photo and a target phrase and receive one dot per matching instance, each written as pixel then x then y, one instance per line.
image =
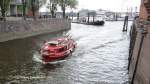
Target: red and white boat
pixel 57 49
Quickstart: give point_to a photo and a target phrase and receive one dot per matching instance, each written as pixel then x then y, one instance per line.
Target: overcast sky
pixel 115 5
pixel 112 5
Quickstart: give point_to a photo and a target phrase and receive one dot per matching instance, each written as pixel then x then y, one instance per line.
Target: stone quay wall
pixel 10 30
pixel 139 56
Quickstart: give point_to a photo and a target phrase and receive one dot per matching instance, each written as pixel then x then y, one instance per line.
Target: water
pixel 101 57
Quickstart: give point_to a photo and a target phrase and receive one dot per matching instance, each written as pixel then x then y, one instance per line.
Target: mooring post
pixel 116 17
pixel 125 26
pixel 78 17
pixel 72 17
pixel 93 18
pixel 88 17
pixel 126 23
pixel 24 3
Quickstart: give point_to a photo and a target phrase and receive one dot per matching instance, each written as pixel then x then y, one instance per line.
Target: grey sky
pixel 112 5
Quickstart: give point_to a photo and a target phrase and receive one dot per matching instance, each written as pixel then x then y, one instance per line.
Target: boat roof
pixel 53 42
pixel 58 41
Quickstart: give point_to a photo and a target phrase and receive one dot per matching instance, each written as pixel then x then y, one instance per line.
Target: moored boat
pixel 97 22
pixel 57 49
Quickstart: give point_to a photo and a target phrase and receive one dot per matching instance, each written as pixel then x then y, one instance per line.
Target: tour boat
pixel 57 49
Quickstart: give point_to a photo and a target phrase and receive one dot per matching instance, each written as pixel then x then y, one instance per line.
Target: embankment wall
pixel 139 62
pixel 10 30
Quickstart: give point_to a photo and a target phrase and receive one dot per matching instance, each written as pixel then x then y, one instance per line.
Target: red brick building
pixel 145 9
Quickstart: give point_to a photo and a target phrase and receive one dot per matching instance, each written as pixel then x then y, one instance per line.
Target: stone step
pixel 148 10
pixel 149 15
pixel 147 5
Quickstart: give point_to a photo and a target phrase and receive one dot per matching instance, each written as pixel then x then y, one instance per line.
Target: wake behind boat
pixel 57 49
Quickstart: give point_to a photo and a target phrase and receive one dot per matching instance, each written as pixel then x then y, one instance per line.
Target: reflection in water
pixel 100 57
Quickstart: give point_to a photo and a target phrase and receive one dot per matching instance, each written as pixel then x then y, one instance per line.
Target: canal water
pixel 101 57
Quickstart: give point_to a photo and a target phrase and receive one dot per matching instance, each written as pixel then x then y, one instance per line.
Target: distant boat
pixel 97 20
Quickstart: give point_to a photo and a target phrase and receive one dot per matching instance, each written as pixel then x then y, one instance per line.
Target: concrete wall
pixel 10 30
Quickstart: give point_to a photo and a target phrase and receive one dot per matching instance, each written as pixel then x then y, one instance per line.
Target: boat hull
pixel 98 23
pixel 47 59
pixel 51 58
pixel 101 23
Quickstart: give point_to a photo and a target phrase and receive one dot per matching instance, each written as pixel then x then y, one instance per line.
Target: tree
pixel 24 3
pixel 67 3
pixel 53 7
pixel 34 6
pixel 4 5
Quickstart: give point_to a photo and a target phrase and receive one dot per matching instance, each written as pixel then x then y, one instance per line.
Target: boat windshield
pixel 62 49
pixel 52 43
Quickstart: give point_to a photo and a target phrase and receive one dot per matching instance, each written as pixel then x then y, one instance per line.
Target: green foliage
pixel 68 3
pixel 33 3
pixel 72 3
pixel 4 5
pixel 20 8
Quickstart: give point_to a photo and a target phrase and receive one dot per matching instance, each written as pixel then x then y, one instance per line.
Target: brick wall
pixel 143 11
